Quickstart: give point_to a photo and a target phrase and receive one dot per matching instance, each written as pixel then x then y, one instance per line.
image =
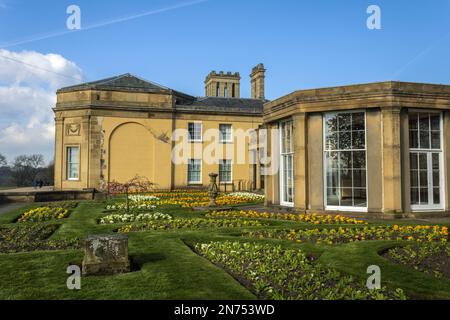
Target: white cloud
pixel 27 95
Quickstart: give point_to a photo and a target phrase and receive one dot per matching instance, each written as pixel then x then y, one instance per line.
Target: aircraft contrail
pixel 103 24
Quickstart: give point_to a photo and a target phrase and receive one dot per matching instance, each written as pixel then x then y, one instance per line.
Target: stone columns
pixel 446 164
pixel 300 161
pixel 391 160
pixel 59 152
pixel 272 177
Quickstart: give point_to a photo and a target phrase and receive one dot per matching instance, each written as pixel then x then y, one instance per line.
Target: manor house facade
pixel 118 128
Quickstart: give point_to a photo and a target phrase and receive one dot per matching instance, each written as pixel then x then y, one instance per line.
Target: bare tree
pixel 25 169
pixel 135 185
pixel 3 162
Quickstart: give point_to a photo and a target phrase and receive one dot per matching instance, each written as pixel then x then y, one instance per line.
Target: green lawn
pixel 170 270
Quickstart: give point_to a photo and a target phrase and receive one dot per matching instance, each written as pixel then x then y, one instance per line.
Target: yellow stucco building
pixel 121 127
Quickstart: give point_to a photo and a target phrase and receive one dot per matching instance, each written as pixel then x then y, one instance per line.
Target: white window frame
pixel 283 202
pixel 429 152
pixel 201 172
pixel 324 163
pixel 195 123
pixel 231 171
pixel 231 133
pixel 69 163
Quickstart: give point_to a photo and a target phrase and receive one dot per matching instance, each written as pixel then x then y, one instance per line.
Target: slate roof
pixel 185 102
pixel 221 104
pixel 124 82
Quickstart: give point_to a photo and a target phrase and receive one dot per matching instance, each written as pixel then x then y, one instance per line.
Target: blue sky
pixel 304 44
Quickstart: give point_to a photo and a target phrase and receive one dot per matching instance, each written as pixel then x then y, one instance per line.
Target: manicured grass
pixel 169 269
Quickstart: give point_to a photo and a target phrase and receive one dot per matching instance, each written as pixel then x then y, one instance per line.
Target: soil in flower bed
pixel 32 237
pixel 428 258
pixel 271 272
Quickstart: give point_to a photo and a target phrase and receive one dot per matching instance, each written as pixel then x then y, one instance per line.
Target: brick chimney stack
pixel 257 82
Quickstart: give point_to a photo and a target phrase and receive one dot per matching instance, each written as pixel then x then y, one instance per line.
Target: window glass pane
pixel 414 139
pixel 194 170
pixel 332 197
pixel 423 163
pixel 72 163
pixel 423 175
pixel 424 139
pixel 345 122
pixel 332 160
pixel 359 160
pixel 413 163
pixel 331 123
pixel 195 131
pixel 436 161
pixel 424 122
pixel 332 141
pixel 346 178
pixel 345 160
pixel 423 196
pixel 358 140
pixel 413 121
pixel 345 140
pixel 414 175
pixel 346 197
pixel 360 198
pixel 225 132
pixel 436 178
pixel 437 196
pixel 435 139
pixel 435 122
pixel 359 178
pixel 358 122
pixel 414 196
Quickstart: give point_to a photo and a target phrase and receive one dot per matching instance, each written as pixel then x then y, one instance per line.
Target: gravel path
pixel 7 207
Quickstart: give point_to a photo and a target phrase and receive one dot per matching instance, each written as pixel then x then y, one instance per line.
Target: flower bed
pixel 33 237
pixel 432 258
pixel 247 196
pixel 345 235
pixel 132 207
pixel 121 218
pixel 190 224
pixel 307 218
pixel 142 198
pixel 185 199
pixel 44 214
pixel 274 273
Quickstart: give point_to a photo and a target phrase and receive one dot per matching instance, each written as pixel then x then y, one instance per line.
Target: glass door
pixel 345 172
pixel 286 164
pixel 426 175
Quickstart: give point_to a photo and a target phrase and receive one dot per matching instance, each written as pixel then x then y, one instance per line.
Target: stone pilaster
pixel 391 160
pixel 300 161
pixel 59 153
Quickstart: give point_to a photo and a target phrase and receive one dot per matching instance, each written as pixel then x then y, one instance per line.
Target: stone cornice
pixel 376 95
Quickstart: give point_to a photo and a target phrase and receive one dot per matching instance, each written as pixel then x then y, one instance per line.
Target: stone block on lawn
pixel 106 255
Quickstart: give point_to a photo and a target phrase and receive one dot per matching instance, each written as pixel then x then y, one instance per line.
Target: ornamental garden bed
pixel 331 236
pixel 431 258
pixel 197 223
pixel 287 274
pixel 305 218
pixel 32 237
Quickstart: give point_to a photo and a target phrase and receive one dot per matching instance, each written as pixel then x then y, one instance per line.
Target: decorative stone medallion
pixel 73 129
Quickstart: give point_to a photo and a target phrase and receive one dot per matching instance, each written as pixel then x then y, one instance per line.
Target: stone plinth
pixel 106 255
